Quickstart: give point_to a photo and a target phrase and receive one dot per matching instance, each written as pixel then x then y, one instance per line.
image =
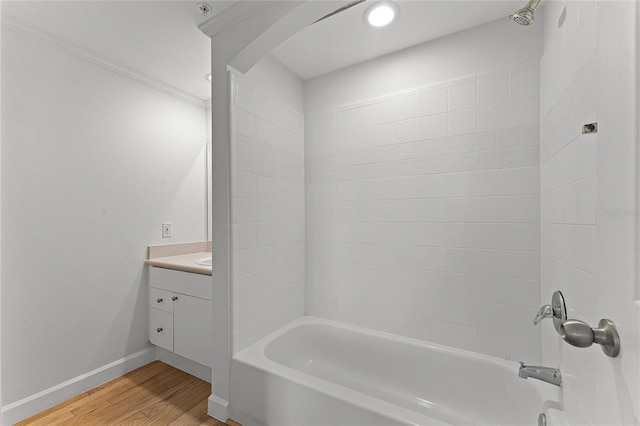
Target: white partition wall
pixel 267 195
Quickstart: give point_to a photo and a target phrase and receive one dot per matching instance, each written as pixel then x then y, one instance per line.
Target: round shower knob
pixel 577 333
pixel 580 334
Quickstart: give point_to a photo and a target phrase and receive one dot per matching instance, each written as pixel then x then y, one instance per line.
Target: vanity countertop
pixel 180 257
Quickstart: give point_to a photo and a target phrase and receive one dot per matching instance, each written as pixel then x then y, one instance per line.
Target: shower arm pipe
pixel 532 5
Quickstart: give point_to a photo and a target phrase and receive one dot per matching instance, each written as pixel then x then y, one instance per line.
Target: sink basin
pixel 206 261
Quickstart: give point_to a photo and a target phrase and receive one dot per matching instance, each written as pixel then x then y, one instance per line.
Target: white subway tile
pixel 525 236
pixel 524 181
pixel 434 102
pixel 492 262
pixel 463 336
pixel 587 201
pixel 245 261
pixel 463 96
pixel 441 146
pixel 508 138
pixel 462 184
pixel 244 312
pixel 462 122
pixel 525 112
pixel 463 162
pixel 524 81
pixel 485 141
pixel 524 209
pixel 434 126
pixel 363 116
pixel 524 348
pixel 493 209
pixel 434 210
pixel 524 265
pixel 462 210
pixel 486 160
pixel 493 342
pixel 587 156
pixel 530 156
pixel 493 182
pixel 245 122
pixel 524 293
pixel 494 236
pixel 509 158
pixel 396 188
pixel 244 287
pixel 442 163
pixel 530 136
pixel 434 186
pixel 521 321
pixel 462 235
pixel 462 261
pixel 327 123
pixel 493 117
pixel 463 144
pixel 493 88
pixel 492 289
pixel 492 316
pixel 408 130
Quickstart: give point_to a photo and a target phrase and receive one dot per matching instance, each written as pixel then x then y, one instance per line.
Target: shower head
pixel 525 15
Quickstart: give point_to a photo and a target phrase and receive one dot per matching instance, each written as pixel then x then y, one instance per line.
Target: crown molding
pixel 18 25
pixel 230 16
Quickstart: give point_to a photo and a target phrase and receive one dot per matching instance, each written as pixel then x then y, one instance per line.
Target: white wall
pixel 589 200
pixel 422 204
pixel 267 193
pixel 92 163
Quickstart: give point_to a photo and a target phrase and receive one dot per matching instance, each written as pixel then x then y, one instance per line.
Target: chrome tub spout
pixel 546 374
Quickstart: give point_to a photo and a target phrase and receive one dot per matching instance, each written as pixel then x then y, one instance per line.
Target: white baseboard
pixel 31 405
pixel 218 408
pixel 181 363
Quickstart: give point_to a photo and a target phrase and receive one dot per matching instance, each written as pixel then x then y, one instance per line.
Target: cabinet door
pixel 192 328
pixel 161 328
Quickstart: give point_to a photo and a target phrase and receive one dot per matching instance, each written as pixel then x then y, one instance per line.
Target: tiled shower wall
pixel 268 213
pixel 422 212
pixel 569 190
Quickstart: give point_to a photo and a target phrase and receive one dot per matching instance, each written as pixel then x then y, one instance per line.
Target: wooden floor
pixel 156 394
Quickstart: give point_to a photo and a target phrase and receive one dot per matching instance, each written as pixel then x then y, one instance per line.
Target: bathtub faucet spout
pixel 546 374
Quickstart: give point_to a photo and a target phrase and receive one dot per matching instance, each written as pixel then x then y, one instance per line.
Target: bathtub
pixel 319 372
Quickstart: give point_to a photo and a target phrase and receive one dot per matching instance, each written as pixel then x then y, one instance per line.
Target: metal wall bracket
pixel 590 128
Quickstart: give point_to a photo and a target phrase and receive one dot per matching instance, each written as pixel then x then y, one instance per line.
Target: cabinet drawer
pixel 160 299
pixel 197 285
pixel 161 328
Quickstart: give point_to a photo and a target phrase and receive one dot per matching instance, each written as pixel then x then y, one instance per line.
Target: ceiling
pixel 345 39
pixel 161 38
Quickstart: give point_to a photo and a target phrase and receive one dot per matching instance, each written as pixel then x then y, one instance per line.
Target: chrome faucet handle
pixel 556 310
pixel 544 312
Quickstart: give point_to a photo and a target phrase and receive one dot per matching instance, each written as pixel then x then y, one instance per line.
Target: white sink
pixel 206 261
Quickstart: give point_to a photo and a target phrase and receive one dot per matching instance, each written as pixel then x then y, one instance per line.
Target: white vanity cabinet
pixel 180 313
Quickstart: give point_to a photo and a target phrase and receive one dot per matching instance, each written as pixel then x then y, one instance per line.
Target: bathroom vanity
pixel 180 309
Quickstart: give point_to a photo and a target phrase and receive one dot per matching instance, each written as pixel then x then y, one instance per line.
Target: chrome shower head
pixel 525 15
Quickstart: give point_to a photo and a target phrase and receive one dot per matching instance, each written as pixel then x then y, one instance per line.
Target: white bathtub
pixel 318 372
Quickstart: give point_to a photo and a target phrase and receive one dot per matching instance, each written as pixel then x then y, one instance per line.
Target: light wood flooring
pixel 155 394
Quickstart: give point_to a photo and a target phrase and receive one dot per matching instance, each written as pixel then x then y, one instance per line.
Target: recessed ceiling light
pixel 381 13
pixel 208 77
